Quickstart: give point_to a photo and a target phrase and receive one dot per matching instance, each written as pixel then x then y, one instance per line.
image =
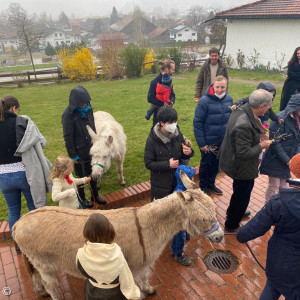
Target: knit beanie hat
pixel 295 165
pixel 166 79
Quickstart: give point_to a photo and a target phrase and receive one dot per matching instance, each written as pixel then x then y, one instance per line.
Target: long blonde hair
pixel 60 167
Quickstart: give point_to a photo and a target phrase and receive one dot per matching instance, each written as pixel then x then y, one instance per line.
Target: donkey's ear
pixel 92 134
pixel 184 196
pixel 108 140
pixel 188 183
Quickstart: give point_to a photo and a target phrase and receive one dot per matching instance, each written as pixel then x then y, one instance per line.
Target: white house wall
pixel 267 36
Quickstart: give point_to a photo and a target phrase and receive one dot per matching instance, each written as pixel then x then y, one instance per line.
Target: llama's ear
pixel 188 183
pixel 92 134
pixel 184 196
pixel 109 140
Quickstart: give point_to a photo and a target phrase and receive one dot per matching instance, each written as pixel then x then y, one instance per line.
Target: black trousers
pixel 239 202
pixel 84 169
pixel 209 168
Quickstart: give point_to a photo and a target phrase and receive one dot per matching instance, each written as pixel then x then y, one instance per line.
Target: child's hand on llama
pixel 87 179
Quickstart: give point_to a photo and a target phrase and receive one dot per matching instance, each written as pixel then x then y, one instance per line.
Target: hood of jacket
pixel 290 197
pixel 267 86
pixel 211 93
pixel 31 137
pixel 156 132
pixel 293 105
pixel 78 96
pixel 190 172
pixel 103 262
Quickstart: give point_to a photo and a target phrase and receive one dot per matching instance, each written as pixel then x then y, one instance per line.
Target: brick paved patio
pixel 171 280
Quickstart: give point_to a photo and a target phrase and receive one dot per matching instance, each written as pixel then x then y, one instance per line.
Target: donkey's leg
pixel 37 284
pixel 49 280
pixel 120 169
pixel 146 288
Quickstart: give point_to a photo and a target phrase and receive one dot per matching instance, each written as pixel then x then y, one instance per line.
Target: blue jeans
pixel 11 186
pixel 178 243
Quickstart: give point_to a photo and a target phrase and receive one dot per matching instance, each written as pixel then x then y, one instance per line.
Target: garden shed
pixel 267 27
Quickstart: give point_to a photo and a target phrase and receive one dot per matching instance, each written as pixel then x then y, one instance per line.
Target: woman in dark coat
pixel 78 142
pixel 292 83
pixel 276 159
pixel 166 66
pixel 165 148
pixel 283 258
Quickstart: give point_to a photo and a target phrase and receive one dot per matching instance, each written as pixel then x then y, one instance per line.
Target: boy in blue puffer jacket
pixel 210 121
pixel 180 238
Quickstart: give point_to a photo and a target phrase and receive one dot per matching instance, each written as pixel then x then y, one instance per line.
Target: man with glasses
pixel 244 140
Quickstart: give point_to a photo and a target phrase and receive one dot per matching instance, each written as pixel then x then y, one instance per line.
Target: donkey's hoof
pixel 150 292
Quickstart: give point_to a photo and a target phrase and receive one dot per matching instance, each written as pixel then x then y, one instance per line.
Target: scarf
pixel 69 180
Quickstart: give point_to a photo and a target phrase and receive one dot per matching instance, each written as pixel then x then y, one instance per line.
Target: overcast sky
pixel 84 8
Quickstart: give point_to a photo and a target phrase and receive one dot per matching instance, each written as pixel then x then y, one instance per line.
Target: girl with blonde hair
pixel 64 187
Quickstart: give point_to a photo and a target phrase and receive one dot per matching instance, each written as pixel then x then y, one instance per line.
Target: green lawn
pixel 126 101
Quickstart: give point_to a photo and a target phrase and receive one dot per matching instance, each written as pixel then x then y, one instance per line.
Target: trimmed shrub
pixel 133 57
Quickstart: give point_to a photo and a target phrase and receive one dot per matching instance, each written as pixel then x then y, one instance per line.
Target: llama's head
pixel 100 153
pixel 199 212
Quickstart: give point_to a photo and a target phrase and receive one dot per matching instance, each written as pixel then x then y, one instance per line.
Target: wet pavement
pixel 171 279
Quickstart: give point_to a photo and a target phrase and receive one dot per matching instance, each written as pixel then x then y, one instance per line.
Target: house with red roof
pixel 271 27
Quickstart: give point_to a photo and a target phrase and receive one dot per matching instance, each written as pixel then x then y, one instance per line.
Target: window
pixel 179 34
pixel 55 34
pixel 193 34
pixel 186 30
pixel 60 34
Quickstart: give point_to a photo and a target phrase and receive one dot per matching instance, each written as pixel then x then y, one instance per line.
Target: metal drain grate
pixel 221 262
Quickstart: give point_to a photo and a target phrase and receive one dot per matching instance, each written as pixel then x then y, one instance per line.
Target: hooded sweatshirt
pixel 105 263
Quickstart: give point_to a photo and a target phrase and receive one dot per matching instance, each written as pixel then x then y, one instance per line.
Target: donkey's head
pixel 199 211
pixel 100 153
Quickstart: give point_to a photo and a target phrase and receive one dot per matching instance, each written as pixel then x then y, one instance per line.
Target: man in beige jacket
pixel 212 68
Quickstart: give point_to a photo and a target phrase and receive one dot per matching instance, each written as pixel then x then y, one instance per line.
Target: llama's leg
pixel 146 288
pixel 120 170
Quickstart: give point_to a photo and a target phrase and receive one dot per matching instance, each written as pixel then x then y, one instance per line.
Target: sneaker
pixel 187 237
pixel 205 190
pixel 183 259
pixel 232 229
pixel 215 190
pixel 100 200
pixel 247 213
pixel 18 251
pixel 87 203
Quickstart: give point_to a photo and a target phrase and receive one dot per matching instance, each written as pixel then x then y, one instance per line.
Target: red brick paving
pixel 171 280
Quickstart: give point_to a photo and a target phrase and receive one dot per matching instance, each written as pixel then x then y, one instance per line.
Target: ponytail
pixel 7 102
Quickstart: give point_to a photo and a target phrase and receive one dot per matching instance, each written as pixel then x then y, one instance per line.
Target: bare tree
pixel 28 36
pixel 196 15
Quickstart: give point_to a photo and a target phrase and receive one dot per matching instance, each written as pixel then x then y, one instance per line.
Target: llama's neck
pixel 160 221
